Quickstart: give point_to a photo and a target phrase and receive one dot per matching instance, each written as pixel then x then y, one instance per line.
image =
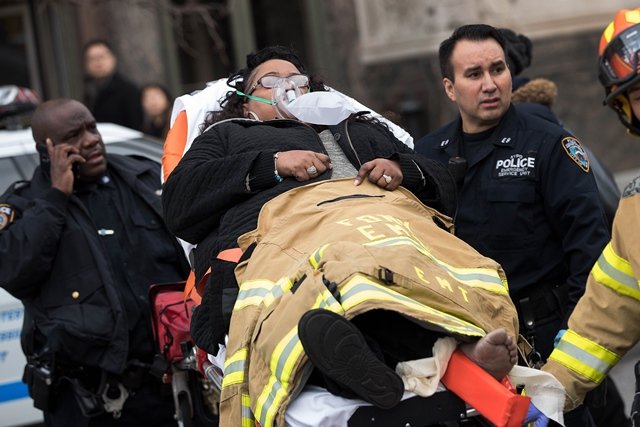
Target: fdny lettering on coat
pixel 375 227
pixel 515 165
pixel 444 284
pixel 381 228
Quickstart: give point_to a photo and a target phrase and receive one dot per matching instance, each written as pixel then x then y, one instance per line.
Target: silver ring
pixel 312 171
pixel 387 178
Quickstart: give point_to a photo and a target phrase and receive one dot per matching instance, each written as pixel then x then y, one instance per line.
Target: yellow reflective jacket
pixel 381 249
pixel 606 321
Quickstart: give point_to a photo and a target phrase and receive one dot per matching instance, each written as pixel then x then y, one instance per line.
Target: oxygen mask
pixel 285 91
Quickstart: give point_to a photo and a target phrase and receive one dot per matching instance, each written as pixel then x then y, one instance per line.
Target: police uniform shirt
pixel 474 145
pixel 125 225
pixel 528 200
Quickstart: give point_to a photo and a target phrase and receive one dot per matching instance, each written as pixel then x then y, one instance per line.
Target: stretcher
pixel 470 397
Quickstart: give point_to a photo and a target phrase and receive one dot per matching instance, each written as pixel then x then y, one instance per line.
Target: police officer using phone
pixel 81 243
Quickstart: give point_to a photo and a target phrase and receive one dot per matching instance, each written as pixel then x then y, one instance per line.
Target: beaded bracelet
pixel 275 168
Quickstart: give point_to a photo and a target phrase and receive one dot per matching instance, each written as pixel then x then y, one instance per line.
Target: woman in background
pixel 156 105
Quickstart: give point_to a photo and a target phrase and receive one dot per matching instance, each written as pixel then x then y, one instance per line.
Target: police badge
pixel 575 152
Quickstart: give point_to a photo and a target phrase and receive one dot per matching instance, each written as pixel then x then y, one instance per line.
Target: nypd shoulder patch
pixel 6 216
pixel 576 153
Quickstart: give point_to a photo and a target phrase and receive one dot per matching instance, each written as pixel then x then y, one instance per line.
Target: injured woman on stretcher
pixel 350 277
pixel 361 293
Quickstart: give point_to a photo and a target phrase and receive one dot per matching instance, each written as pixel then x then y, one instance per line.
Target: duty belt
pixel 98 391
pixel 135 375
pixel 545 300
pixel 542 302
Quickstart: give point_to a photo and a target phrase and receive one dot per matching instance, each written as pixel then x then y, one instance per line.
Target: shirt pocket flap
pixel 520 191
pixel 140 219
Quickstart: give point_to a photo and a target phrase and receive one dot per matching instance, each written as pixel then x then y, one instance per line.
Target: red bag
pixel 170 315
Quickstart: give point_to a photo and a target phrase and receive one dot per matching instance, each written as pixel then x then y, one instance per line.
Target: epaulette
pixel 15 187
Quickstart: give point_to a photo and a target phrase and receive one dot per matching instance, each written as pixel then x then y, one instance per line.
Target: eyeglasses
pixel 269 81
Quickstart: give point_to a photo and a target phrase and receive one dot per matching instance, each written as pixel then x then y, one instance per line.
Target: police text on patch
pixel 516 165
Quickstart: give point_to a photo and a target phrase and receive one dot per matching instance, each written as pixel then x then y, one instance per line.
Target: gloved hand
pixel 536 417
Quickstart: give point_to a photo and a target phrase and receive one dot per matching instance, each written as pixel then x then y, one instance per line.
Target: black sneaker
pixel 339 350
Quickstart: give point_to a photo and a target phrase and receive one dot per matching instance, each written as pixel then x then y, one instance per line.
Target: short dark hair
pixel 474 32
pixel 519 50
pixel 162 88
pixel 239 79
pixel 97 42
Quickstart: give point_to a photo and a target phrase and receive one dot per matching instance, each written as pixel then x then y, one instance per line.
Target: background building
pixel 382 52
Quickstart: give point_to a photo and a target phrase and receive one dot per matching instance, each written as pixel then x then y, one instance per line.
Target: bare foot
pixel 496 353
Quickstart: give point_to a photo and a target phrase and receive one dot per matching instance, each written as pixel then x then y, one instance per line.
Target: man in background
pixel 110 96
pixel 537 96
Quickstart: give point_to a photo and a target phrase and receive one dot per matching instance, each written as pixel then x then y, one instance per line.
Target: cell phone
pixel 75 168
pixel 43 153
pixel 45 160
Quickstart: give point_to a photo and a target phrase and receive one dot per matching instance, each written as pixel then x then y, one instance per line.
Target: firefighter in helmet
pixel 604 324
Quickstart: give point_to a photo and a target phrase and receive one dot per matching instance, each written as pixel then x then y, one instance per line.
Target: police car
pixel 18 159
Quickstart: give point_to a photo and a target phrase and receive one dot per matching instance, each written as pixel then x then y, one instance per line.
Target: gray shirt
pixel 342 167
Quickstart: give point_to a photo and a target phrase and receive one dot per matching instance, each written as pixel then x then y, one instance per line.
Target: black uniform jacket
pixel 529 202
pixel 117 102
pixel 606 183
pixel 53 260
pixel 209 201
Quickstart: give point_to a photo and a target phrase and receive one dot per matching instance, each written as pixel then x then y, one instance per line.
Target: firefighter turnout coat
pixel 348 249
pixel 606 322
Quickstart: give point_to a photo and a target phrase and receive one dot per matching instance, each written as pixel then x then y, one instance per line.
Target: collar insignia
pixel 575 152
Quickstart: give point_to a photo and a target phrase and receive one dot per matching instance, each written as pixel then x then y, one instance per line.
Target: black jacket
pixel 527 202
pixel 206 199
pixel 607 187
pixel 52 259
pixel 116 102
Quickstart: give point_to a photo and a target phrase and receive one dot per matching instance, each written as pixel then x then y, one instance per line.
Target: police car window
pixel 146 148
pixel 21 167
pixel 16 168
pixel 9 173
